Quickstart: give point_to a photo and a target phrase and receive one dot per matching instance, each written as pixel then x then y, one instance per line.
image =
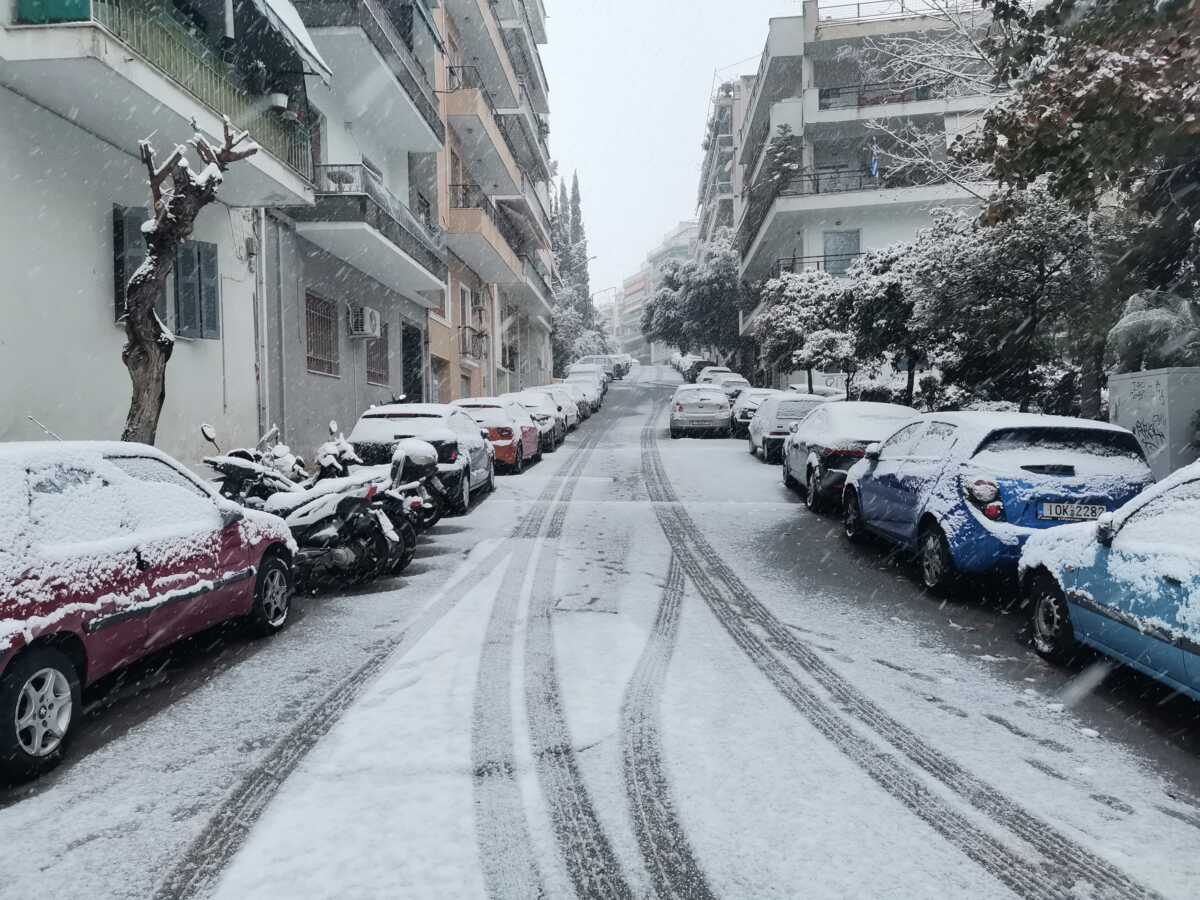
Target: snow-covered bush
pixel 1156 330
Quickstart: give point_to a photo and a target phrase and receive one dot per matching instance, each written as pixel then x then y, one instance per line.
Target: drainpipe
pixel 260 321
pixel 282 333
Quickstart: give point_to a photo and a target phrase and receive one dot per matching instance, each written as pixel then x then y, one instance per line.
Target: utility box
pixel 1160 406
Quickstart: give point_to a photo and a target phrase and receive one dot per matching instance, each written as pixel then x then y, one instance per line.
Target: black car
pixel 694 370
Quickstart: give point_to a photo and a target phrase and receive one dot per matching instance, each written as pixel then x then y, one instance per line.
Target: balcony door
pixel 840 249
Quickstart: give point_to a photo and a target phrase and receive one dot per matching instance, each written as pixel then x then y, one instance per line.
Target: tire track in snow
pixel 1058 867
pixel 510 868
pixel 673 868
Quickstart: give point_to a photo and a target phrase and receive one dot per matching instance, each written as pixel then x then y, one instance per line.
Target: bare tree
pixel 950 53
pixel 178 195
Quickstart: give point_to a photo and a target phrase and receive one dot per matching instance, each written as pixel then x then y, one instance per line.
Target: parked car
pixel 582 403
pixel 591 386
pixel 692 372
pixel 699 407
pixel 821 448
pixel 770 423
pixel 606 363
pixel 109 552
pixel 544 412
pixel 565 403
pixel 514 435
pixel 966 489
pixel 466 461
pixel 603 376
pixel 709 373
pixel 1127 584
pixel 744 407
pixel 732 384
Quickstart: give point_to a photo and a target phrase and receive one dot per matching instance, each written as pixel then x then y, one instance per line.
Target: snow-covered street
pixel 642 669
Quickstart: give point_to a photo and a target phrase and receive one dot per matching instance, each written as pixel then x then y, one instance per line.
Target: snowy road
pixel 639 669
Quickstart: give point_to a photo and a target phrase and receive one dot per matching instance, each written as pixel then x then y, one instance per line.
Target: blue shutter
pixel 210 291
pixel 187 291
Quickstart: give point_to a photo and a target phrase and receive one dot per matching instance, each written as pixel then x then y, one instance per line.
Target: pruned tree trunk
pixel 148 344
pixel 1091 376
pixel 910 385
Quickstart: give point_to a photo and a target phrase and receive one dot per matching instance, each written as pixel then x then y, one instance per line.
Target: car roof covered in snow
pixel 975 425
pixel 412 409
pixel 26 452
pixel 478 401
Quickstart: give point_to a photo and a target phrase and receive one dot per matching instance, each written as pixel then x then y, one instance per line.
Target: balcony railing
pixel 539 276
pixel 756 142
pixel 764 194
pixel 472 196
pixel 197 67
pixel 859 95
pixel 460 78
pixel 833 263
pixel 471 342
pixel 422 240
pixel 891 9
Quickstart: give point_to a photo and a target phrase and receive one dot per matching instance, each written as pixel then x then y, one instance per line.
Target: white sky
pixel 629 88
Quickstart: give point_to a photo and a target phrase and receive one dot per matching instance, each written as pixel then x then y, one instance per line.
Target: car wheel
pixel 519 466
pixel 39 704
pixel 812 491
pixel 852 520
pixel 272 596
pixel 788 481
pixel 490 484
pixel 1051 629
pixel 462 502
pixel 674 434
pixel 753 452
pixel 937 565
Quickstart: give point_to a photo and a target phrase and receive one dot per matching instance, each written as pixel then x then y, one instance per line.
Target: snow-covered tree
pixel 178 194
pixel 1155 331
pixel 797 305
pixel 828 350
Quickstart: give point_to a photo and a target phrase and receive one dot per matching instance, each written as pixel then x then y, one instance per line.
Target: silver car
pixel 699 407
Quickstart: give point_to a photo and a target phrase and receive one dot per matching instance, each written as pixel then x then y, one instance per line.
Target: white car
pixel 466 459
pixel 543 409
pixel 745 406
pixel 590 385
pixel 606 364
pixel 602 374
pixel 774 417
pixel 732 384
pixel 582 404
pixel 708 372
pixel 699 407
pixel 565 400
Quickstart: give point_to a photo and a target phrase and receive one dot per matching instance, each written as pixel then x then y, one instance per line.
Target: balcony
pixel 528 131
pixel 780 75
pixel 528 214
pixel 482 42
pixel 486 149
pixel 472 343
pixel 357 219
pixel 833 263
pixel 537 297
pixel 125 70
pixel 482 237
pixel 365 46
pixel 521 43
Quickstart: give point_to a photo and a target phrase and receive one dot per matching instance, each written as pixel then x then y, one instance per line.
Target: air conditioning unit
pixel 478 299
pixel 365 322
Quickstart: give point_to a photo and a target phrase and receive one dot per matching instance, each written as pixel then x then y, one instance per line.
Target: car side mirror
pixel 333 429
pixel 210 435
pixel 1106 529
pixel 794 427
pixel 484 433
pixel 230 515
pixel 872 452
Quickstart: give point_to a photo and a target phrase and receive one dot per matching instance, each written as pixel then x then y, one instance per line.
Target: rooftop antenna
pixel 43 427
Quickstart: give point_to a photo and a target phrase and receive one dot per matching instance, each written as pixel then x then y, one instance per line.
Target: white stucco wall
pixel 60 351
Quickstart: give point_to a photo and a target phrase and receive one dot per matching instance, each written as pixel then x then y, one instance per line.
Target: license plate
pixel 1072 512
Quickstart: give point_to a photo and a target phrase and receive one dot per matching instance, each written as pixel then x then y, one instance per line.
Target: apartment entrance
pixel 412 358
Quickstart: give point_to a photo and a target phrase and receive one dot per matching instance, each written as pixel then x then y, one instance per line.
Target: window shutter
pixel 129 250
pixel 187 291
pixel 210 291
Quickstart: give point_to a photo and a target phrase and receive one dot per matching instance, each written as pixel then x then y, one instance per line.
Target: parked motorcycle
pixel 342 535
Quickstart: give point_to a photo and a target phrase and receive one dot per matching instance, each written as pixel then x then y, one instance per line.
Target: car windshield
pixel 493 416
pixel 1066 451
pixel 796 409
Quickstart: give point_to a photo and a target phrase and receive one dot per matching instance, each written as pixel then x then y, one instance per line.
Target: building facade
pixel 678 245
pixel 389 238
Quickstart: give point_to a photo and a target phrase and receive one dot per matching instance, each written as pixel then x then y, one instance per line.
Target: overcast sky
pixel 629 88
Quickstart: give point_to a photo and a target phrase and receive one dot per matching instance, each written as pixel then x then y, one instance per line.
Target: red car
pixel 109 552
pixel 513 434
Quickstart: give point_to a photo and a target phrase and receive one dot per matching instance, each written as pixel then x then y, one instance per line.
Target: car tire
pixel 41 688
pixel 490 484
pixel 1050 628
pixel 753 452
pixel 937 565
pixel 674 434
pixel 812 491
pixel 408 538
pixel 788 481
pixel 273 590
pixel 461 502
pixel 852 520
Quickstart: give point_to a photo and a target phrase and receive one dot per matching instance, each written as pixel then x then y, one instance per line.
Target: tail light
pixel 984 495
pixel 844 453
pixel 416 504
pixel 453 454
pixel 502 433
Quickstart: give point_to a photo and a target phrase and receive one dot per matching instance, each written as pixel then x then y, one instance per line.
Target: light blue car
pixel 1127 585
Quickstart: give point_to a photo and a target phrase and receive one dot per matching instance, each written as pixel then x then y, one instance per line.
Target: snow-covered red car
pixel 514 435
pixel 109 552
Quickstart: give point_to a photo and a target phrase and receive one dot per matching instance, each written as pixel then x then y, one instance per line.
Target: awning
pixel 283 18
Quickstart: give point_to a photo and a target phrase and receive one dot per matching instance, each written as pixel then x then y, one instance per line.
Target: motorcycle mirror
pixel 210 435
pixel 333 426
pixel 272 432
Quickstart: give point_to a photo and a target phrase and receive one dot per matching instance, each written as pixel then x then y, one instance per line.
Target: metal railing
pixel 833 263
pixel 470 78
pixel 888 9
pixel 756 142
pixel 876 94
pixel 403 47
pixel 472 196
pixel 355 178
pixel 197 67
pixel 471 341
pixel 537 274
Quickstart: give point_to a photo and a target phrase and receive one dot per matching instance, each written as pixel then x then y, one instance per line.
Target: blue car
pixel 964 490
pixel 1127 585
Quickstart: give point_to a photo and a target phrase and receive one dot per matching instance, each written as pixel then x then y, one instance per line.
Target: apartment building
pixel 844 200
pixel 678 245
pixel 80 83
pixel 492 333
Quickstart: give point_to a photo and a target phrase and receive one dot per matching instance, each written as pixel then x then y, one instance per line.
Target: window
pixel 840 249
pixel 377 358
pixel 936 442
pixel 899 443
pixel 155 471
pixel 74 505
pixel 159 496
pixel 321 335
pixel 443 311
pixel 197 291
pixel 1167 521
pixel 464 305
pixel 129 251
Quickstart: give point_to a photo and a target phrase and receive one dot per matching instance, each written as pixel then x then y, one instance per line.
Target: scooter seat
pixel 286 502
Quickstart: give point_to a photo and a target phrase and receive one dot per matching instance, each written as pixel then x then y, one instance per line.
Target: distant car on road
pixel 694 368
pixel 544 411
pixel 770 425
pixel 566 402
pixel 592 386
pixel 966 489
pixel 699 407
pixel 1127 584
pixel 514 435
pixel 110 552
pixel 744 407
pixel 821 448
pixel 709 373
pixel 732 384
